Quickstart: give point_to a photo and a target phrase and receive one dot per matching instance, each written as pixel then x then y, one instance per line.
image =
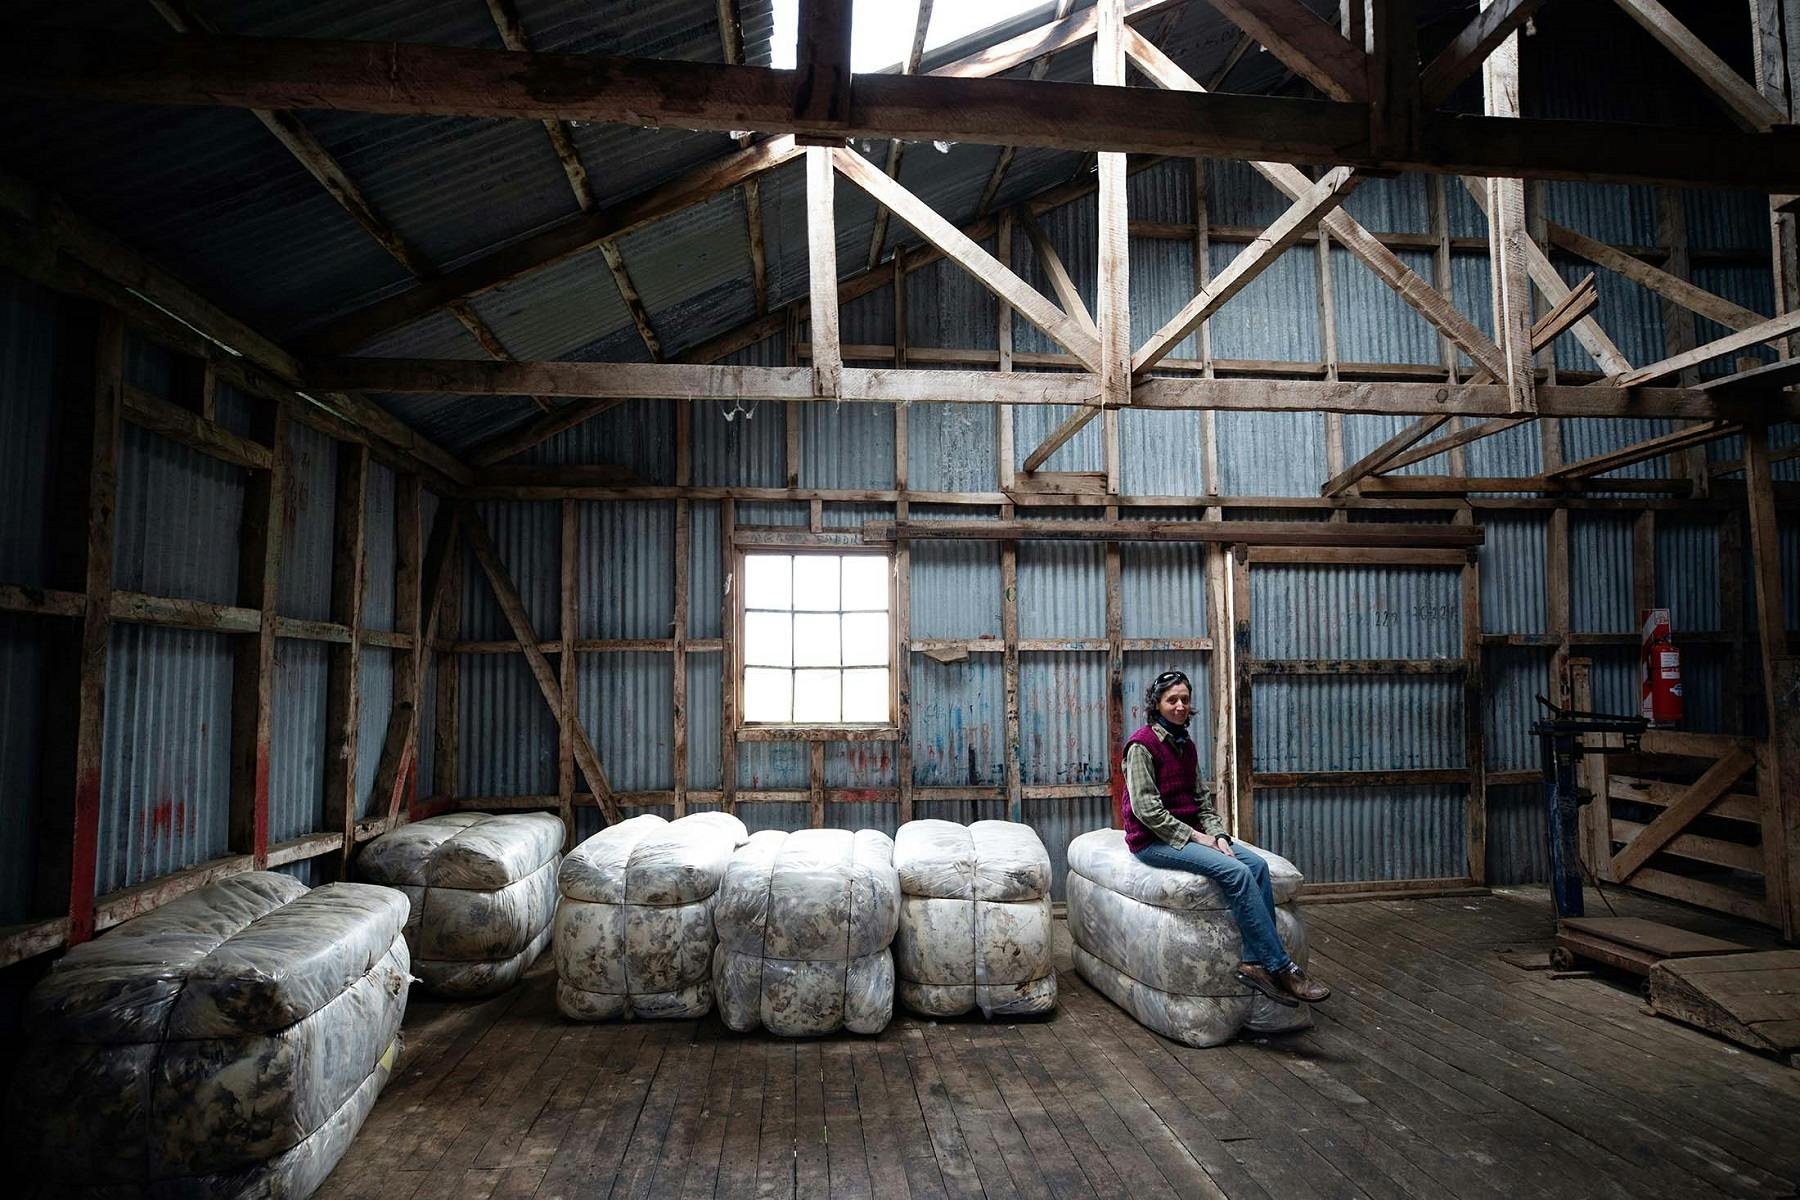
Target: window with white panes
pixel 816 639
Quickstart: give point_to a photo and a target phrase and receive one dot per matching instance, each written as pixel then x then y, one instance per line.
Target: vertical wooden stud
pixel 343 692
pixel 253 658
pixel 568 627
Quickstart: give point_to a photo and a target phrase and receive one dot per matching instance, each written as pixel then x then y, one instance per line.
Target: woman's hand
pixel 1222 845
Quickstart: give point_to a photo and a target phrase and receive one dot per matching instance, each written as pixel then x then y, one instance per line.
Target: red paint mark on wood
pixel 259 830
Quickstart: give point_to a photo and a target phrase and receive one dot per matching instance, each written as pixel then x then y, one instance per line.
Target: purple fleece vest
pixel 1177 777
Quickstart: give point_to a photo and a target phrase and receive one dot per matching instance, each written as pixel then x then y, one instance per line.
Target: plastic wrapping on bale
pixel 229 1042
pixel 806 922
pixel 482 890
pixel 634 928
pixel 1164 945
pixel 975 923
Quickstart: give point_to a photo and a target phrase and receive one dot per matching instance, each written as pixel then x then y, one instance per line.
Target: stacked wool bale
pixel 975 922
pixel 483 893
pixel 634 928
pixel 1164 946
pixel 228 1043
pixel 806 922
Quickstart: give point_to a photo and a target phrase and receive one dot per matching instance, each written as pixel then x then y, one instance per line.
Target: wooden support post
pixel 901 617
pixel 1393 71
pixel 1202 274
pixel 1678 322
pixel 1244 725
pixel 343 692
pixel 90 382
pixel 568 626
pixel 1115 670
pixel 684 538
pixel 1113 306
pixel 1556 598
pixel 1220 678
pixel 1474 715
pixel 1643 561
pixel 1009 638
pixel 1592 775
pixel 1780 693
pixel 822 62
pixel 253 658
pixel 446 696
pixel 1334 422
pixel 396 772
pixel 815 794
pixel 1003 324
pixel 821 243
pixel 1731 609
pixel 1507 236
pixel 513 608
pixel 728 654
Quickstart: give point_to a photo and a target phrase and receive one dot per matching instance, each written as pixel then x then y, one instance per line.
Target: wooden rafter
pixel 1398 450
pixel 1637 452
pixel 1313 49
pixel 1038 69
pixel 1672 287
pixel 1293 183
pixel 183 17
pixel 1549 281
pixel 1470 48
pixel 897 148
pixel 581 234
pixel 1061 328
pixel 921 386
pixel 731 44
pixel 1743 339
pixel 1742 99
pixel 1504 207
pixel 513 608
pixel 512 33
pixel 456 81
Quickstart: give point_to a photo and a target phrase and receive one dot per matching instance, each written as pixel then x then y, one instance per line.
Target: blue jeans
pixel 1245 882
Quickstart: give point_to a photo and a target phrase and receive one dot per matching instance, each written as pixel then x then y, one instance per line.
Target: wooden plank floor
pixel 1438 1069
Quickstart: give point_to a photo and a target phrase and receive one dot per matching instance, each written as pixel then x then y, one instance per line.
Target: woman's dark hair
pixel 1159 686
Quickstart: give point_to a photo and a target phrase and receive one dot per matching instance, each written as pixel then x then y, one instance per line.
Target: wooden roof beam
pixel 1466 52
pixel 1743 101
pixel 1313 49
pixel 897 148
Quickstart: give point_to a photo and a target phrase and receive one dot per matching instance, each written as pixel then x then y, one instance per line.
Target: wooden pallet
pixel 1631 943
pixel 1753 999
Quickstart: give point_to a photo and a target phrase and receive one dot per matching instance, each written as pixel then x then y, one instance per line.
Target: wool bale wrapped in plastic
pixel 229 1043
pixel 1164 946
pixel 975 923
pixel 483 893
pixel 634 928
pixel 806 925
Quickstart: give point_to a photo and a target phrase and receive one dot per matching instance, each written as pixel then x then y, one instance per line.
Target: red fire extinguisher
pixel 1659 670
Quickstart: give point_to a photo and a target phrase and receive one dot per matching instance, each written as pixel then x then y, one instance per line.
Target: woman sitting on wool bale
pixel 1169 822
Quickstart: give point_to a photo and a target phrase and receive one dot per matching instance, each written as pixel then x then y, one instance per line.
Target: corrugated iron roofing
pixel 380 549
pixel 1355 612
pixel 1161 453
pixel 1062 589
pixel 1687 572
pixel 955 589
pixel 1343 835
pixel 22 658
pixel 1357 722
pixel 176 521
pixel 1600 595
pixel 1518 848
pixel 626 583
pixel 1373 323
pixel 507 742
pixel 375 701
pixel 626 704
pixel 165 761
pixel 775 765
pixel 1062 718
pixel 297 739
pixel 1511 561
pixel 528 536
pixel 953 447
pixel 705 691
pixel 307 524
pixel 29 338
pixel 1162 590
pixel 958 722
pixel 1270 453
pixel 846 445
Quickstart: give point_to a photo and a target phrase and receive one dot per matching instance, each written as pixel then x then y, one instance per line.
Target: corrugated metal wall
pixel 167 777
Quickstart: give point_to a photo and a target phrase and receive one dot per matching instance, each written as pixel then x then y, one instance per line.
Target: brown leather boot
pixel 1258 978
pixel 1295 983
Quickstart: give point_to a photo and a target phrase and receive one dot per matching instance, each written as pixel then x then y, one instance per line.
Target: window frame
pixel 770 731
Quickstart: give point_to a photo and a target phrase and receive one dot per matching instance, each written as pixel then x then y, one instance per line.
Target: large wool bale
pixel 975 925
pixel 483 893
pixel 1164 946
pixel 634 927
pixel 806 923
pixel 228 1043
